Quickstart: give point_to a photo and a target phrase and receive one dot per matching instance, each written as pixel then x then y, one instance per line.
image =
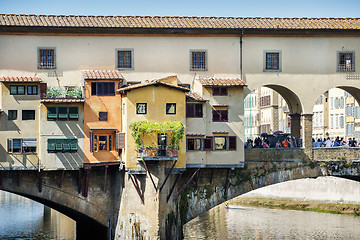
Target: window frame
pixel 103 116
pixel 198 66
pixel 12 115
pixel 32 91
pixel 46 66
pixel 225 146
pixel 344 68
pixel 117 51
pixel 220 91
pixel 109 142
pixel 56 145
pixel 95 86
pixel 279 53
pixel 17 89
pixel 10 146
pixel 191 110
pixel 137 106
pixel 189 139
pixel 220 114
pixel 168 107
pixel 28 112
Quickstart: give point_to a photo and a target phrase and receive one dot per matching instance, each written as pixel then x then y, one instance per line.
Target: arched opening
pixel 86 228
pixel 272 109
pixel 336 118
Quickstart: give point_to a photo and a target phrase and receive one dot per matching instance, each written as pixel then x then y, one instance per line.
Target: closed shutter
pixel 223 91
pixel 208 144
pixel 66 145
pixel 224 115
pixel 216 116
pixel 73 144
pixel 232 143
pixel 59 145
pixel 190 109
pixel 51 114
pixel 91 141
pixel 43 89
pixel 199 110
pixel 120 140
pixel 51 145
pixel 73 113
pixel 216 91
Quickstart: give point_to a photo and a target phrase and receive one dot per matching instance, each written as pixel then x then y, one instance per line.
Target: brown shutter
pixel 91 141
pixel 43 88
pixel 190 110
pixel 232 142
pixel 208 144
pixel 120 140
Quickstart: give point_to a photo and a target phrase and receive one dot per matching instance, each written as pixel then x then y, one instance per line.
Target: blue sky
pixel 239 8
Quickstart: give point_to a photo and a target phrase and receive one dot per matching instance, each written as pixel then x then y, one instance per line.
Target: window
pixel 17 90
pixel 220 115
pixel 102 142
pixel 208 144
pixel 103 116
pixel 170 108
pixel 103 88
pixel 198 60
pixel 32 90
pixel 125 59
pixel 12 114
pixel 62 113
pixel 220 143
pixel 62 145
pixel 46 58
pixel 194 110
pixel 272 61
pixel 219 91
pixel 346 61
pixel 194 144
pixel 26 145
pixel 141 108
pixel 28 114
pixel 265 101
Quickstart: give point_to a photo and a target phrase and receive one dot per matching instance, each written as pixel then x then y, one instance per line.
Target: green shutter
pixel 74 143
pixel 51 145
pixel 73 113
pixel 51 114
pixel 66 144
pixel 59 144
pixel 63 113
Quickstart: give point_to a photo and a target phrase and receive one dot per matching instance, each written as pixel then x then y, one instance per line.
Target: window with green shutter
pixel 51 114
pixel 51 145
pixel 73 113
pixel 59 145
pixel 66 145
pixel 74 143
pixel 62 113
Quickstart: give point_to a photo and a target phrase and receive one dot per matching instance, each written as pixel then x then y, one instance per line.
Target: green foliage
pixel 53 92
pixel 174 128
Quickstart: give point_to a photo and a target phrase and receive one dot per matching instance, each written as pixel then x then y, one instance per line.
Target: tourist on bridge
pixel 285 143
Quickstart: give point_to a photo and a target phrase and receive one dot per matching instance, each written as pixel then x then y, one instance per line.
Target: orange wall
pixel 93 105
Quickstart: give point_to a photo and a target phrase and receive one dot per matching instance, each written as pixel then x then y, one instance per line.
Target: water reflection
pixel 22 218
pixel 260 223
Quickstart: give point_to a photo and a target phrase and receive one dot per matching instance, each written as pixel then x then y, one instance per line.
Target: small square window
pixel 32 90
pixel 346 61
pixel 220 115
pixel 170 108
pixel 125 59
pixel 17 90
pixel 141 108
pixel 28 114
pixel 103 116
pixel 198 60
pixel 272 61
pixel 220 91
pixel 46 58
pixel 194 110
pixel 12 114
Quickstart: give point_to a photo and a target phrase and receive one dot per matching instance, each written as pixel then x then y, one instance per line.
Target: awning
pixel 30 142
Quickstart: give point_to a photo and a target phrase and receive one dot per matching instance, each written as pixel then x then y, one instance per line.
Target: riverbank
pixel 353 209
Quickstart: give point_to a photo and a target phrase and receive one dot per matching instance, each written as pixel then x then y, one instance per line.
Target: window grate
pixel 346 62
pixel 46 58
pixel 198 60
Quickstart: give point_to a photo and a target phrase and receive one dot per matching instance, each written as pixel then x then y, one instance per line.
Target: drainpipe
pixel 241 51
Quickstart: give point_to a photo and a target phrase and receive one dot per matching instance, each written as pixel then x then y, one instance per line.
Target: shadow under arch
pixel 355 92
pixel 85 225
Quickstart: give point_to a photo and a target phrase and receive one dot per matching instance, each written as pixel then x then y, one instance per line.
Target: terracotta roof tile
pixel 62 100
pixel 102 74
pixel 20 79
pixel 151 83
pixel 194 97
pixel 230 82
pixel 177 22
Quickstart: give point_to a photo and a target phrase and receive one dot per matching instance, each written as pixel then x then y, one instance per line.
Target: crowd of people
pixel 287 142
pixel 337 142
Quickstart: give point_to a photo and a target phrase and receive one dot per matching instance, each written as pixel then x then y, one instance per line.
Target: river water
pixel 21 218
pixel 240 222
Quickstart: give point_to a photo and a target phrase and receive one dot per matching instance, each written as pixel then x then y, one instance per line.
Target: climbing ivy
pixel 175 128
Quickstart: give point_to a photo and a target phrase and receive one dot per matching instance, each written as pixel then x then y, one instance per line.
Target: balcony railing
pixel 158 153
pixel 63 92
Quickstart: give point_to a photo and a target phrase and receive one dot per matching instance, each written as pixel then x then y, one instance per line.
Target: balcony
pixel 158 153
pixel 68 92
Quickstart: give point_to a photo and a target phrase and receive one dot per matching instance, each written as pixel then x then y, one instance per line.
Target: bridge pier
pixel 295 125
pixel 307 131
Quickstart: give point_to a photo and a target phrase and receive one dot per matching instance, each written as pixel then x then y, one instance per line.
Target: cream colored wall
pixel 18 128
pixel 61 130
pixel 154 56
pixel 156 99
pixel 308 64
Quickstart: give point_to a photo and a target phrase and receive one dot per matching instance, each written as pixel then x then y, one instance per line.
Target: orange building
pixel 102 116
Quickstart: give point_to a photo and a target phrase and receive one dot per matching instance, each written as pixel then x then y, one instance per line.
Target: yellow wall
pixel 93 105
pixel 156 99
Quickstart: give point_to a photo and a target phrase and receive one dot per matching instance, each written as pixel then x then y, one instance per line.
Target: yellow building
pixel 156 106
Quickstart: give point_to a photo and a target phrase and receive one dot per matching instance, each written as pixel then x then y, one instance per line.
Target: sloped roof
pixel 176 22
pixel 20 79
pixel 151 83
pixel 226 82
pixel 102 75
pixel 194 97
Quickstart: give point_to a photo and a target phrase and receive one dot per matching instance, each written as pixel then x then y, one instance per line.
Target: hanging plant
pixel 174 128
